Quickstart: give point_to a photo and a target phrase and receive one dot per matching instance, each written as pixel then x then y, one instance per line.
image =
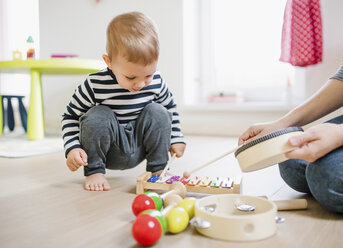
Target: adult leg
pixel 293 172
pixel 325 180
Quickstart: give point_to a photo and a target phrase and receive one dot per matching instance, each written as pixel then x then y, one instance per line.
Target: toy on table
pixel 30 54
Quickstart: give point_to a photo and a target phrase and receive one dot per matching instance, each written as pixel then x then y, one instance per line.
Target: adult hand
pixel 316 142
pixel 76 158
pixel 178 149
pixel 258 130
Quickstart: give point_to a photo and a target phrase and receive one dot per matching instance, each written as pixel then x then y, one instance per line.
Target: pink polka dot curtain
pixel 302 42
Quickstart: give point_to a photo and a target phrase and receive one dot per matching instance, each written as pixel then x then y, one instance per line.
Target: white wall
pixel 79 27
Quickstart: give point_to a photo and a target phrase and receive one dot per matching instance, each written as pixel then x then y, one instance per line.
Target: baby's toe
pixel 96 187
pixel 92 187
pixel 100 187
pixel 106 186
pixel 87 186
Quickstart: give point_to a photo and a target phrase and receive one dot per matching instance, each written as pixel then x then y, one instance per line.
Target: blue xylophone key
pixel 153 178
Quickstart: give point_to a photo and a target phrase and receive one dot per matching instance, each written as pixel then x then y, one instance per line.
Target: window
pixel 232 51
pixel 18 20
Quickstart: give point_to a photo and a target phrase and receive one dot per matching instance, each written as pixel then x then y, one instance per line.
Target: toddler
pixel 125 113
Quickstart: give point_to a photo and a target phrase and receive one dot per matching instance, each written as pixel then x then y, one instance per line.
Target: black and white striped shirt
pixel 103 88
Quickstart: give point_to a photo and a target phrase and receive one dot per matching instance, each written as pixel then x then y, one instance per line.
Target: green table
pixel 56 66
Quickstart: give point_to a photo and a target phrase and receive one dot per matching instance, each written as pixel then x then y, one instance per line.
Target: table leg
pixel 35 117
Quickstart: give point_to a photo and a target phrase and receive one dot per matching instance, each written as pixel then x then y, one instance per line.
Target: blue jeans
pixel 322 178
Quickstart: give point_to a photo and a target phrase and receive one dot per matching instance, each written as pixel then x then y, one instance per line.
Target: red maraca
pixel 142 202
pixel 146 229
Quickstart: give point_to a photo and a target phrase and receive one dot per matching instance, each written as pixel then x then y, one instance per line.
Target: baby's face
pixel 131 76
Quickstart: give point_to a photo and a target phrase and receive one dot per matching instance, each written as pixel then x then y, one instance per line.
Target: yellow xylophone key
pixel 205 182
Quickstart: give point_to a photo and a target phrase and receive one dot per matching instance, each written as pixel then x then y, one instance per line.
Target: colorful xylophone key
pixel 153 178
pixel 227 182
pixel 216 182
pixel 205 182
pixel 194 181
pixel 173 179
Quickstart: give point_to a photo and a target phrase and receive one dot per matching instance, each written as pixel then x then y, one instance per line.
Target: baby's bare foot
pixel 97 182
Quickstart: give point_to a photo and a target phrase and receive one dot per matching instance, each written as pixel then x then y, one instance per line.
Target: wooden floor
pixel 43 204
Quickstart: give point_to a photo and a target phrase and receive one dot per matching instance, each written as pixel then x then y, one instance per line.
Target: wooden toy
pixel 294 204
pixel 188 205
pixel 267 150
pixel 156 198
pixel 146 230
pixel 177 217
pixel 150 225
pixel 143 184
pixel 157 214
pixel 142 202
pixel 224 221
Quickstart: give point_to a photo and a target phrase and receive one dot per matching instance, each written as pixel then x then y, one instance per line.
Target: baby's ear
pixel 107 61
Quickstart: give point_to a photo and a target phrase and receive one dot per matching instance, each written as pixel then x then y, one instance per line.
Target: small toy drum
pixel 219 217
pixel 266 150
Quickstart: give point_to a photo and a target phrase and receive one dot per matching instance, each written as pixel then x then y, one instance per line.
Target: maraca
pixel 154 201
pixel 146 232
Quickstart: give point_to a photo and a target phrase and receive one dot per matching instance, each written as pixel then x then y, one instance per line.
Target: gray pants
pixel 111 145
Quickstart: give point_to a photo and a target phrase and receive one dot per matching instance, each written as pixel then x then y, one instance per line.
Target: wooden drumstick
pixel 187 174
pixel 293 204
pixel 168 165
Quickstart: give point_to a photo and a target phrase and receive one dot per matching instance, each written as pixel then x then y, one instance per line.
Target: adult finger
pixel 301 139
pixel 309 152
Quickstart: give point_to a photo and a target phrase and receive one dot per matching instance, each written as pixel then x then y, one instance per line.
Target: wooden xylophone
pixel 196 184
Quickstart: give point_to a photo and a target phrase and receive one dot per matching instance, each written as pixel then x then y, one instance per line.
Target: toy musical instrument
pixel 267 150
pixel 196 184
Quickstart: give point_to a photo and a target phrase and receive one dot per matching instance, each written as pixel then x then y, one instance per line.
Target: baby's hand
pixel 178 149
pixel 76 158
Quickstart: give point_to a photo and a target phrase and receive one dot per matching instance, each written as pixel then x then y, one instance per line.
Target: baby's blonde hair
pixel 134 37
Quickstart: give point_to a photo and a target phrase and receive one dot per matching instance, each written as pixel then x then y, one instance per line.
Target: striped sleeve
pixel 81 101
pixel 165 98
pixel 339 74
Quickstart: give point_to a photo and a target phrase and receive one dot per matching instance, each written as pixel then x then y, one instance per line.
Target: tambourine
pixel 267 150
